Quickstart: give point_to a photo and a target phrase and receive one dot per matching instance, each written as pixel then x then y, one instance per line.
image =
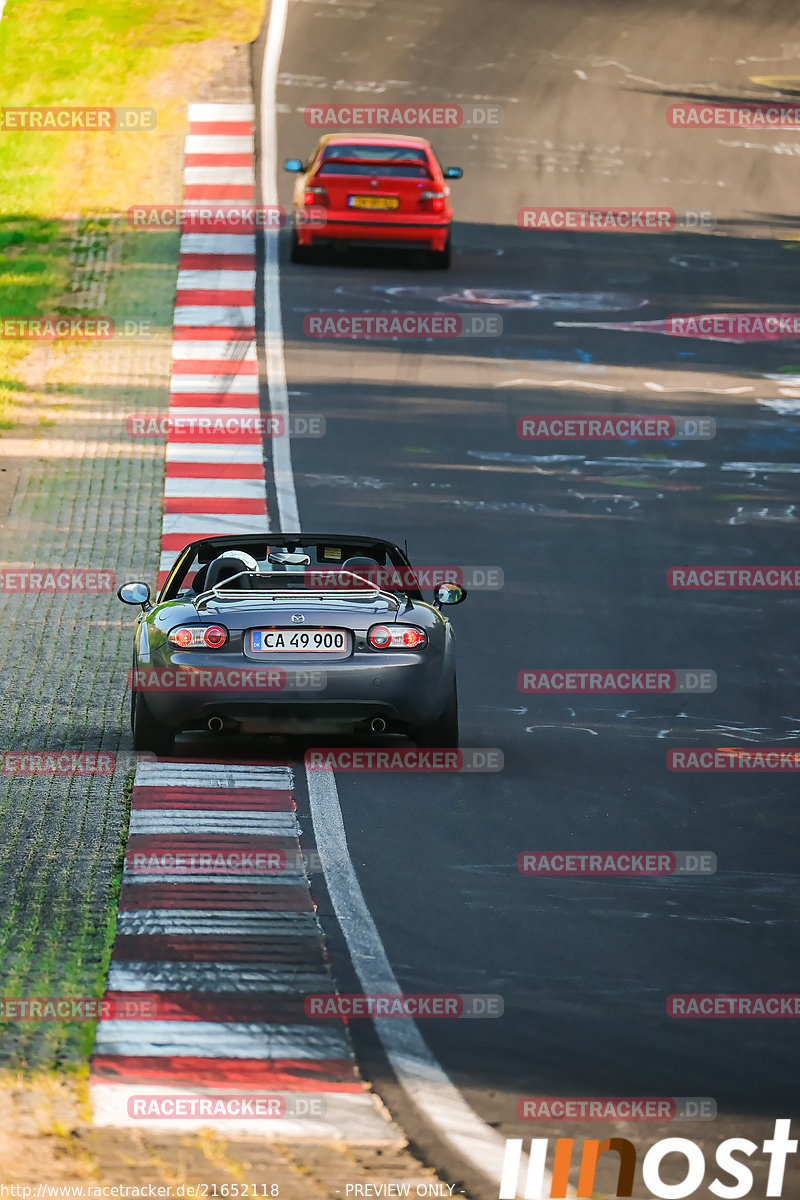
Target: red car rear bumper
pixel 430 232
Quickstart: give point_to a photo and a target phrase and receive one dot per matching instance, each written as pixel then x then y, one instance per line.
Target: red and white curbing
pixel 223 960
pixel 215 487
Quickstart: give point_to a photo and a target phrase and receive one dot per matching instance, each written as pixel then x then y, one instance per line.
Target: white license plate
pixel 298 641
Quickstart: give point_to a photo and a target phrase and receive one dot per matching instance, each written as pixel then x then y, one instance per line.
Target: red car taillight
pixel 432 201
pixel 192 637
pixel 316 195
pixel 396 637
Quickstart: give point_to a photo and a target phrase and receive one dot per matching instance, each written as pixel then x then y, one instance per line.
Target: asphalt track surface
pixel 421 445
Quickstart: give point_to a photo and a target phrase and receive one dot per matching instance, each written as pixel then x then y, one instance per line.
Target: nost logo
pixel 692 1165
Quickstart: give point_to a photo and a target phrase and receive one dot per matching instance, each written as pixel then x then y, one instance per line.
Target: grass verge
pixel 121 53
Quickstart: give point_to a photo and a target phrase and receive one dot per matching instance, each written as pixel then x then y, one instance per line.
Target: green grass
pixel 34 266
pixel 52 185
pixel 134 53
pixel 120 52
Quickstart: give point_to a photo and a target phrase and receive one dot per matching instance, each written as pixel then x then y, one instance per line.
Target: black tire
pixel 148 734
pixel 440 259
pixel 443 732
pixel 298 253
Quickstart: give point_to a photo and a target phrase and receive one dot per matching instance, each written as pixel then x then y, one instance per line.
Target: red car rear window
pixel 375 153
pixel 385 170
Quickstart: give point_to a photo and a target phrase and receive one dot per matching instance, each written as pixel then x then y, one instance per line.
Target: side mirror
pixel 454 173
pixel 134 593
pixel 450 593
pixel 295 165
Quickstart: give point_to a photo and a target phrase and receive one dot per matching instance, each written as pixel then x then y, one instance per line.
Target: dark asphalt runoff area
pixel 421 445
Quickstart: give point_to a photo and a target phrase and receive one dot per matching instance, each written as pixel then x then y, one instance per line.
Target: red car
pixel 382 188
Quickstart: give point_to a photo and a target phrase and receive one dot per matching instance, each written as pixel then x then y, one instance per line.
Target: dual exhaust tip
pixel 216 725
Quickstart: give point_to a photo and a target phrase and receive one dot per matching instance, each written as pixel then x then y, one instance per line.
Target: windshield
pixel 376 562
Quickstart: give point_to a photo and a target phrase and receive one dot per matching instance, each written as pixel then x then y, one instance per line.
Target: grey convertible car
pixel 293 633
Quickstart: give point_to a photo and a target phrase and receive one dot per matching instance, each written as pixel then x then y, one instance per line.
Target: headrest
pixel 227 564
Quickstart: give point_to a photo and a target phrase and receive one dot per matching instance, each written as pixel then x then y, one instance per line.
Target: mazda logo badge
pixel 298 618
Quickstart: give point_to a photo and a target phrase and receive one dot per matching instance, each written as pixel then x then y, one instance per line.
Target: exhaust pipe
pixel 377 725
pixel 216 724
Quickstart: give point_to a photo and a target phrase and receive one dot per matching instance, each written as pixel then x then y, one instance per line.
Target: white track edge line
pixel 288 516
pixel 420 1075
pixel 418 1072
